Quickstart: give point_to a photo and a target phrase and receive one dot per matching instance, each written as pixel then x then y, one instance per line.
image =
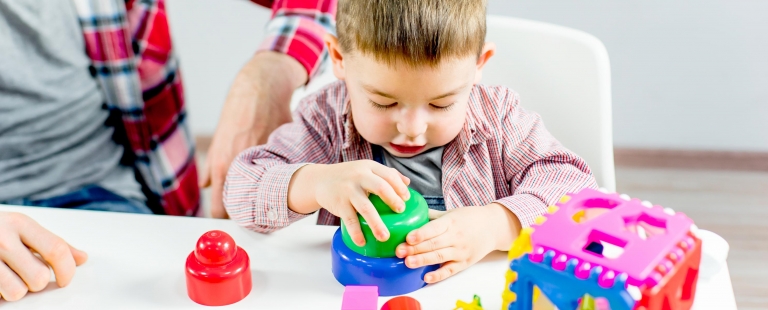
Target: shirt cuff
pixel 525 206
pixel 301 38
pixel 270 201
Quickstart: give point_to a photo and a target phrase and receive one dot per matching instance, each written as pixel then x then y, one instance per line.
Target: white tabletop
pixel 137 262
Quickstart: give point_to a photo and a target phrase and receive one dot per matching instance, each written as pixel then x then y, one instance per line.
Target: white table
pixel 137 262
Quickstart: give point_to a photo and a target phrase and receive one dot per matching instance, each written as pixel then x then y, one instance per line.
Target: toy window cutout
pixel 593 208
pixel 685 291
pixel 604 245
pixel 593 303
pixel 645 226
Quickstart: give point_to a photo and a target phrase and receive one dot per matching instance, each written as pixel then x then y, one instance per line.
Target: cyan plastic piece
pixel 562 288
pixel 389 274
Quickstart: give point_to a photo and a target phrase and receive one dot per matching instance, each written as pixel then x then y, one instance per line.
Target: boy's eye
pixel 382 106
pixel 443 108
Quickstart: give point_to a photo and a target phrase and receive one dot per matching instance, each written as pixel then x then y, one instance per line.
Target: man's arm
pixel 259 99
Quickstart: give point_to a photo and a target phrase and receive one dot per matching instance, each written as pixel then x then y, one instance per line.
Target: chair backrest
pixel 564 75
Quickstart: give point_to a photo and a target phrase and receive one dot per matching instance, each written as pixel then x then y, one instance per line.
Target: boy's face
pixel 408 110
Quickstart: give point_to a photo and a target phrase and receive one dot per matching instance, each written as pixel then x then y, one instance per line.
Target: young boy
pixel 407 111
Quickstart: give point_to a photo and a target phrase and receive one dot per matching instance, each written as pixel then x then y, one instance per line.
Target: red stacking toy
pixel 218 271
pixel 402 303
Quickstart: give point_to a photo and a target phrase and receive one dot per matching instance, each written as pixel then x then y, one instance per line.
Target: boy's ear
pixel 334 52
pixel 489 49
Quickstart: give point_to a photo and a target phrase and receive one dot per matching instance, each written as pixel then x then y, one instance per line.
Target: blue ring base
pixel 389 274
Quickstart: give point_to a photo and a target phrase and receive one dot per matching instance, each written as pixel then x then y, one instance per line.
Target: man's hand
pixel 458 239
pixel 258 103
pixel 21 271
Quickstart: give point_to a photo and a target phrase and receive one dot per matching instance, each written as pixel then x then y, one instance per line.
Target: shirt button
pixel 272 215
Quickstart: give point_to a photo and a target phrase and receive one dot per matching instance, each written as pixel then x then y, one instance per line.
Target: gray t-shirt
pixel 425 170
pixel 53 137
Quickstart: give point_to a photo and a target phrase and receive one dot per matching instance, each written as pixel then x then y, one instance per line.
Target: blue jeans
pixel 90 197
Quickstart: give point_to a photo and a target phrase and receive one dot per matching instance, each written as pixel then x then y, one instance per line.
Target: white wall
pixel 686 75
pixel 213 38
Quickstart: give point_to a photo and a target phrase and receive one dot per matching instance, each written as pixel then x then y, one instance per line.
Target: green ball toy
pixel 415 215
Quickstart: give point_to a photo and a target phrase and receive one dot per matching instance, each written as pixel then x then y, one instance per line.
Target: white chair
pixel 563 74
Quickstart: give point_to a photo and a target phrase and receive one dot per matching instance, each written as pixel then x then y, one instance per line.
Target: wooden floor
pixel 732 204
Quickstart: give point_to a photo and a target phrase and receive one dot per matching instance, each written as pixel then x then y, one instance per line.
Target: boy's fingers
pixel 364 206
pixel 407 182
pixel 352 223
pixel 395 179
pixel 435 214
pixel 377 185
pixel 429 245
pixel 448 269
pixel 428 231
pixel 430 258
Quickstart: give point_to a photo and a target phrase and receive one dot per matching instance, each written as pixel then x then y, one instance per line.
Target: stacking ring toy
pixel 415 215
pixel 389 274
pixel 218 271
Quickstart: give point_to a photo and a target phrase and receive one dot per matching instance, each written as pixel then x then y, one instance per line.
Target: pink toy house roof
pixel 561 233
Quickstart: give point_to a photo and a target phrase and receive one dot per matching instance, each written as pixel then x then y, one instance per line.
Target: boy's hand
pixel 343 190
pixel 457 239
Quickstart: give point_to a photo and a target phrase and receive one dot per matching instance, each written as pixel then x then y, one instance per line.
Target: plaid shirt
pixel 502 154
pixel 129 44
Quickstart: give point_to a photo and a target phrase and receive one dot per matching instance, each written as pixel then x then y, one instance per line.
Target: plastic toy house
pixel 628 253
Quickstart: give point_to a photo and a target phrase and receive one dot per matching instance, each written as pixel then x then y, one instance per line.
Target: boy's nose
pixel 412 129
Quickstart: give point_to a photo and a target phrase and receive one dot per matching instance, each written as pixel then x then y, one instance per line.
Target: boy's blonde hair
pixel 416 32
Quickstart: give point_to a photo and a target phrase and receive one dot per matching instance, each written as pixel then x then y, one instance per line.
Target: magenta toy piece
pixel 359 297
pixel 639 257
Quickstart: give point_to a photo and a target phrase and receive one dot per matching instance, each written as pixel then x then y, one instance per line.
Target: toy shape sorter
pixel 375 263
pixel 634 255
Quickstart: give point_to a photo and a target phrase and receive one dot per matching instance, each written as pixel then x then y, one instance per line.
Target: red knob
pixel 218 271
pixel 215 248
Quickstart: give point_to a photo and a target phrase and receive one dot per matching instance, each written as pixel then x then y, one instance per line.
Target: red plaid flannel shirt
pixel 129 44
pixel 503 154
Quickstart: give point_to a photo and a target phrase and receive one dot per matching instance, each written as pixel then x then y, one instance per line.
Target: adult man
pixel 92 116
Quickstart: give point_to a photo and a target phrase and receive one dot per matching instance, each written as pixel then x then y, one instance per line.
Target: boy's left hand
pixel 457 239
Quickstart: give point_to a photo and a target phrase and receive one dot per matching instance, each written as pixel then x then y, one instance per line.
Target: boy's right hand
pixel 343 191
